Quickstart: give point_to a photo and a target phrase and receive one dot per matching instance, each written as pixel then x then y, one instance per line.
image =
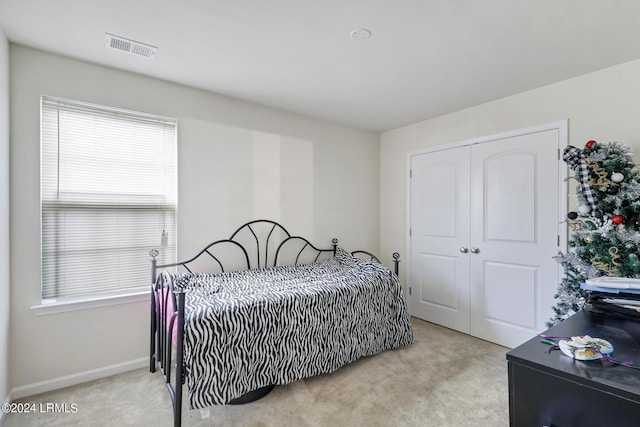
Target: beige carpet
pixel 446 379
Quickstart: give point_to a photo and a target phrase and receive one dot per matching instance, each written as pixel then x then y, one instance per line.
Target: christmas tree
pixel 605 229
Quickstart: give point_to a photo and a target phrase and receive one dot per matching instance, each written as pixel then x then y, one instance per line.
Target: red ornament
pixel 590 144
pixel 617 219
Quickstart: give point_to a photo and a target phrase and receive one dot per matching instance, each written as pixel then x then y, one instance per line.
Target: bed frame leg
pixel 152 333
pixel 177 404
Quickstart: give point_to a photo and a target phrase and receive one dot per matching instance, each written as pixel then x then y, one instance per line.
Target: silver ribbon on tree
pixel 576 160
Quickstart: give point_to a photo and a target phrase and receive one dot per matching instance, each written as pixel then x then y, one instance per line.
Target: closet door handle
pixel 464 250
pixel 475 250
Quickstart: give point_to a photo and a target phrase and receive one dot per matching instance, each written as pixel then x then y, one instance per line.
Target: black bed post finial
pixel 334 242
pixel 153 253
pixel 396 261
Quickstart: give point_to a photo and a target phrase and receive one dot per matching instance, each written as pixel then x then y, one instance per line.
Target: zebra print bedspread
pixel 250 329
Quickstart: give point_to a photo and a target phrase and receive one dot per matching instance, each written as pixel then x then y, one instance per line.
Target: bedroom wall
pixel 237 161
pixel 5 386
pixel 602 105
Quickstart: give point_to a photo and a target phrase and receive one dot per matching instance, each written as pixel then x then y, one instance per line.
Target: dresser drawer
pixel 547 388
pixel 540 399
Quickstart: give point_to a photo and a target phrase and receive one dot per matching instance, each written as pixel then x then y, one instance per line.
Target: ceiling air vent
pixel 129 46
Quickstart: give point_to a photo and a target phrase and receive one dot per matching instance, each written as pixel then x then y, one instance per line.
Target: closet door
pixel 514 235
pixel 485 221
pixel 439 209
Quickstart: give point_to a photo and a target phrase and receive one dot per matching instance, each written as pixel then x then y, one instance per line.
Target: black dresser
pixel 551 389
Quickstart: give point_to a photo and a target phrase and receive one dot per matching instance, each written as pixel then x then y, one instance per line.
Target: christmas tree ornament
pixel 577 160
pixel 575 225
pixel 617 177
pixel 584 209
pixel 613 190
pixel 601 176
pixel 572 215
pixel 617 219
pixel 590 144
pixel 615 258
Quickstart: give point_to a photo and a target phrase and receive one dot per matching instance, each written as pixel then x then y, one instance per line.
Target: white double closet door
pixel 485 221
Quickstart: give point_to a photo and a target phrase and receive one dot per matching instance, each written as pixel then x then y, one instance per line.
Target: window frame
pixel 134 205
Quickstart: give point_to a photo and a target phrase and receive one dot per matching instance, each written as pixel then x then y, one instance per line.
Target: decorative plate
pixel 585 347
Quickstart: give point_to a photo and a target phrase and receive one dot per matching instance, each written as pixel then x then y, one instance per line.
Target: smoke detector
pixel 360 34
pixel 129 46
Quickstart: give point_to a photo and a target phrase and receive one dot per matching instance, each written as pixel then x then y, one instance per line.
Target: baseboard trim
pixel 79 378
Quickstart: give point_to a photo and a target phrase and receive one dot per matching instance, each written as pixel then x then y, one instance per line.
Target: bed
pixel 265 308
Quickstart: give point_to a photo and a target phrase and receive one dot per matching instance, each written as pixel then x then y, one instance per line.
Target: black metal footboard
pixel 167 315
pixel 372 257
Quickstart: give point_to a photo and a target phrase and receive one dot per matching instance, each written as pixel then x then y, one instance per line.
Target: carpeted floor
pixel 446 379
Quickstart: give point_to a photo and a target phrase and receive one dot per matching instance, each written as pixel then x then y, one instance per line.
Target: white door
pixel 514 236
pixel 482 263
pixel 439 274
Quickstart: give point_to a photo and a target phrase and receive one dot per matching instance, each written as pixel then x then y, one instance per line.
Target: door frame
pixel 563 133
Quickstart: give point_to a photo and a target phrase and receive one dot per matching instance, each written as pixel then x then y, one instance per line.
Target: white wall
pixel 5 385
pixel 322 180
pixel 601 106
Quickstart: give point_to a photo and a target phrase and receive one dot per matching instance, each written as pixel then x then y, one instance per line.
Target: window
pixel 108 190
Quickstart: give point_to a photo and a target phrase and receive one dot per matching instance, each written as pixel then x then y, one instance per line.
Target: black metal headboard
pixel 257 244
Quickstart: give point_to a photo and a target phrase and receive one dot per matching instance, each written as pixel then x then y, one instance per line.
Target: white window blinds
pixel 108 190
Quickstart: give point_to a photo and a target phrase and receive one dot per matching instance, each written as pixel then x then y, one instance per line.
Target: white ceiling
pixel 425 57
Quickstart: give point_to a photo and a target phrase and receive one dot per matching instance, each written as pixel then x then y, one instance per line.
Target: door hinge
pixel 410 173
pixel 409 290
pixel 558 240
pixel 559 157
pixel 409 232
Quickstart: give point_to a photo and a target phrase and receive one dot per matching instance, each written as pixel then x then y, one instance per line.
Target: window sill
pixel 74 305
